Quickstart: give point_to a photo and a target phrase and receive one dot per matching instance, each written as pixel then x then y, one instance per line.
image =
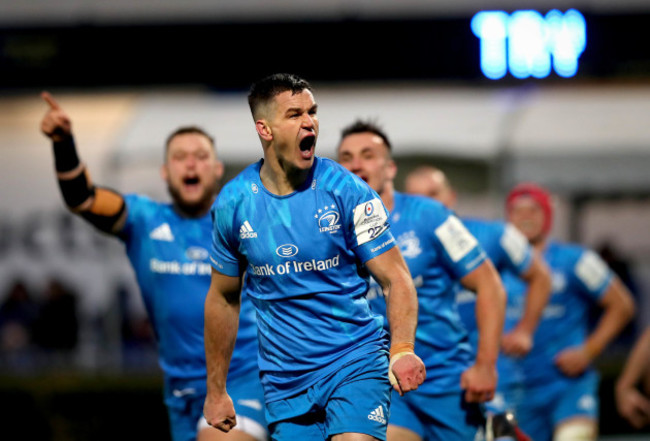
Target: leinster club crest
pixel 328 219
pixel 409 244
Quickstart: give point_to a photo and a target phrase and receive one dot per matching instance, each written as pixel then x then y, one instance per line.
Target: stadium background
pixel 128 73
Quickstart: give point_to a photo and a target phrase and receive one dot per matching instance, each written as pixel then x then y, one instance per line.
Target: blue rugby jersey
pixel 439 251
pixel 303 254
pixel 170 257
pixel 508 250
pixel 510 253
pixel 580 279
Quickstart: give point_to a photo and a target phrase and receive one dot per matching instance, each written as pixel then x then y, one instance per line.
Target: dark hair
pixel 267 88
pixel 185 130
pixel 360 126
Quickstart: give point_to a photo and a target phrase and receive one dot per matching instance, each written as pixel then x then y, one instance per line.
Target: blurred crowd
pixel 44 329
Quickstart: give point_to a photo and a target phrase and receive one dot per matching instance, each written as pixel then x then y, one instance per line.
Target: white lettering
pixel 181 268
pixel 264 270
pixel 383 245
pixel 295 266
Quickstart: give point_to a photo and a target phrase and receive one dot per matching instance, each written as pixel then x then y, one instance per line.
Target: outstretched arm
pixel 618 306
pixel 632 404
pixel 519 340
pixel 480 380
pixel 222 306
pixel 406 370
pixel 103 208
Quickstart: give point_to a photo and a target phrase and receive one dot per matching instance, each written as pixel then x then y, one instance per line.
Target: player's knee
pixel 577 430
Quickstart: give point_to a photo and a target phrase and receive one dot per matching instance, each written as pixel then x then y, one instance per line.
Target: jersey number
pixel 373 232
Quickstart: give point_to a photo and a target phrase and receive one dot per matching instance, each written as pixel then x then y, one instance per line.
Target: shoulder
pixel 241 186
pixel 141 205
pixel 429 210
pixel 566 251
pixel 139 199
pixel 493 226
pixel 586 265
pixel 333 177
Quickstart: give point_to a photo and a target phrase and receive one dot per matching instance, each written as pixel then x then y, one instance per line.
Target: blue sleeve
pixel 136 208
pixel 367 223
pixel 516 250
pixel 461 252
pixel 224 254
pixel 591 274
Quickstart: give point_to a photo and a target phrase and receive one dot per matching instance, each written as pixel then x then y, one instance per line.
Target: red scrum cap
pixel 539 194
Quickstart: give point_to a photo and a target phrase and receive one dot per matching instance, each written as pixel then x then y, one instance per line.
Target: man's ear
pixel 218 167
pixel 263 130
pixel 164 174
pixel 391 169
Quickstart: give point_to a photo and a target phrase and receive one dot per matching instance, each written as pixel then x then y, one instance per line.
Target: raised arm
pixel 519 340
pixel 222 306
pixel 618 310
pixel 103 208
pixel 479 381
pixel 406 370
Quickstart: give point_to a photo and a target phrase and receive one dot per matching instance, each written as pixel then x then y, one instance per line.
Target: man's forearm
pixel 221 323
pixel 637 364
pixel 402 310
pixel 539 291
pixel 619 309
pixel 490 312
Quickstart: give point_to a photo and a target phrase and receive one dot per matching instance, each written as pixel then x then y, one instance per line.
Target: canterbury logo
pixel 377 415
pixel 246 231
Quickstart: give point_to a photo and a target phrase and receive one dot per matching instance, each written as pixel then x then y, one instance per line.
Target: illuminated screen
pixel 526 43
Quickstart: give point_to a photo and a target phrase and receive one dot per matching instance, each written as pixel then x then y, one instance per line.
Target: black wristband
pixel 65 155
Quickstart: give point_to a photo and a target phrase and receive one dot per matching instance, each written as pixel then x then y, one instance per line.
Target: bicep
pixel 482 274
pixel 224 288
pixel 617 295
pixel 387 266
pixel 106 209
pixel 537 269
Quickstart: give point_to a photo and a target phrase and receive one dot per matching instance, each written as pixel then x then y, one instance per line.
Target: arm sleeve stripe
pixel 68 175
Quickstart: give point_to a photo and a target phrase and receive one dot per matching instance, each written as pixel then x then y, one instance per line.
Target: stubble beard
pixel 192 209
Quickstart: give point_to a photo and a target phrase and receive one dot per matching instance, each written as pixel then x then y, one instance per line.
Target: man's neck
pixel 540 244
pixel 279 181
pixel 194 212
pixel 388 196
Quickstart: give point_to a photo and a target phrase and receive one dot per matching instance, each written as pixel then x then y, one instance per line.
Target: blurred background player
pixel 439 252
pixel 560 394
pixel 634 404
pixel 509 251
pixel 166 246
pixel 307 232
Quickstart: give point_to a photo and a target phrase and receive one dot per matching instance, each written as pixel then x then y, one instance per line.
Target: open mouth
pixel 307 143
pixel 191 181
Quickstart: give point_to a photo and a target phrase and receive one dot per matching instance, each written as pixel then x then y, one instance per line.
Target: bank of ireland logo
pixel 286 250
pixel 369 209
pixel 328 219
pixel 254 188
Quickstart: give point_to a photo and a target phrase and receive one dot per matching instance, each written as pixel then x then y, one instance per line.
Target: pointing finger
pixel 50 101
